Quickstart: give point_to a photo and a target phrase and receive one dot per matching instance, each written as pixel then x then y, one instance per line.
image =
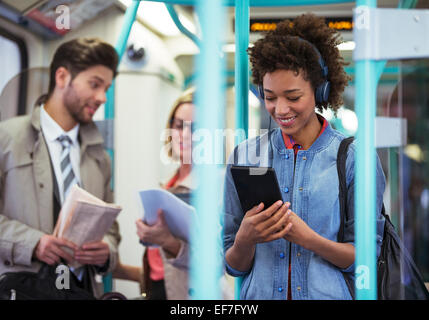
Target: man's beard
pixel 75 106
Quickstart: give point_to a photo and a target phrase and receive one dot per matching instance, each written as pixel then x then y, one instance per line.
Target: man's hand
pixel 95 253
pixel 49 250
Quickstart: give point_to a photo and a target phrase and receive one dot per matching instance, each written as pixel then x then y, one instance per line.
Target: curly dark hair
pixel 283 48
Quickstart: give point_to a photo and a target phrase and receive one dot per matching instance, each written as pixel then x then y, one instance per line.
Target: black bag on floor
pixel 40 285
pixel 397 275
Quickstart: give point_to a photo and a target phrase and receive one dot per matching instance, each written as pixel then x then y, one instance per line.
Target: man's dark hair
pixel 77 55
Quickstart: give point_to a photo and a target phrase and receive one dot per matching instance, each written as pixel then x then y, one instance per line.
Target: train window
pixel 409 166
pixel 13 82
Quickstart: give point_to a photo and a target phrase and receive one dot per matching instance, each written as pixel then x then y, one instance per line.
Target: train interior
pixel 159 63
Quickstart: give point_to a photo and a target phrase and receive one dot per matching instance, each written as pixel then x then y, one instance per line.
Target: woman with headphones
pixel 290 250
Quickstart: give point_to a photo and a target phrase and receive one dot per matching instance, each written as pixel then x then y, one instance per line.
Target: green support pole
pixel 242 26
pixel 365 198
pixel 368 73
pixel 180 26
pixel 109 110
pixel 264 3
pixel 366 274
pixel 206 261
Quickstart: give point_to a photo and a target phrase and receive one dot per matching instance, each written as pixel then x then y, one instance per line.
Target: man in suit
pixel 43 154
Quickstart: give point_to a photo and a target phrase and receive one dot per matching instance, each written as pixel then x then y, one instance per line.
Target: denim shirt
pixel 312 189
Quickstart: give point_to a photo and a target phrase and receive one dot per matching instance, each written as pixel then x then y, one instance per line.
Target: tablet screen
pixel 255 185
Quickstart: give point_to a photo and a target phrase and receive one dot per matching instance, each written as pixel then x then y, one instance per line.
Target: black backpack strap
pixel 341 168
pixel 342 196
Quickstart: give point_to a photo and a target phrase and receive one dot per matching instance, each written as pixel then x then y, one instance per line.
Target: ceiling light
pixel 346 46
pixel 328 114
pixel 349 119
pixel 229 47
pixel 413 151
pixel 156 15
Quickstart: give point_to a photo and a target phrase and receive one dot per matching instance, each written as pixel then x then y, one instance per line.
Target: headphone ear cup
pixel 322 92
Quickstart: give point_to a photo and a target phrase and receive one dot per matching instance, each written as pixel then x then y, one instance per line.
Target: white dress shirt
pixel 51 131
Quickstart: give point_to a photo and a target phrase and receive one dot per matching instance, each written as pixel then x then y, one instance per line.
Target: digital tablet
pixel 255 185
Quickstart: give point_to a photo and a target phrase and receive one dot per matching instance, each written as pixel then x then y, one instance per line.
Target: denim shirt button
pixel 286 189
pixel 298 254
pixel 280 289
pixel 281 255
pixel 298 288
pixel 286 156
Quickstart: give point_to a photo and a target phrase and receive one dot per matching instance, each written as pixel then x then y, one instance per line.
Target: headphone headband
pixel 321 61
pixel 321 93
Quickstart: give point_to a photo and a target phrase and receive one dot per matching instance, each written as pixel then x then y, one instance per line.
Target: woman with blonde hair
pixel 165 268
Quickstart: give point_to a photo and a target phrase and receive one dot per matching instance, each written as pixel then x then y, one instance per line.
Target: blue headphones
pixel 321 93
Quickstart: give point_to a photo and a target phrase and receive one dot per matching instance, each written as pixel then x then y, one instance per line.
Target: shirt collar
pixel 52 130
pixel 290 143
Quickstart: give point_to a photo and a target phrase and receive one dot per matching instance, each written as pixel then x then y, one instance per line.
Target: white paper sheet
pixel 178 214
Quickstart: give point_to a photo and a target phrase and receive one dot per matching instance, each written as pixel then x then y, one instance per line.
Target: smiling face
pixel 86 92
pixel 290 101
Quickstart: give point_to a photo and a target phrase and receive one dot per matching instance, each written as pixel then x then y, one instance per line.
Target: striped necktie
pixel 69 178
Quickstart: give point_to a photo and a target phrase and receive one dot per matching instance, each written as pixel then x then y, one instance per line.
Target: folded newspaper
pixel 84 218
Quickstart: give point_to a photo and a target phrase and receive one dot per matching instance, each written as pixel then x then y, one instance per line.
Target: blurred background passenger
pixel 165 269
pixel 165 273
